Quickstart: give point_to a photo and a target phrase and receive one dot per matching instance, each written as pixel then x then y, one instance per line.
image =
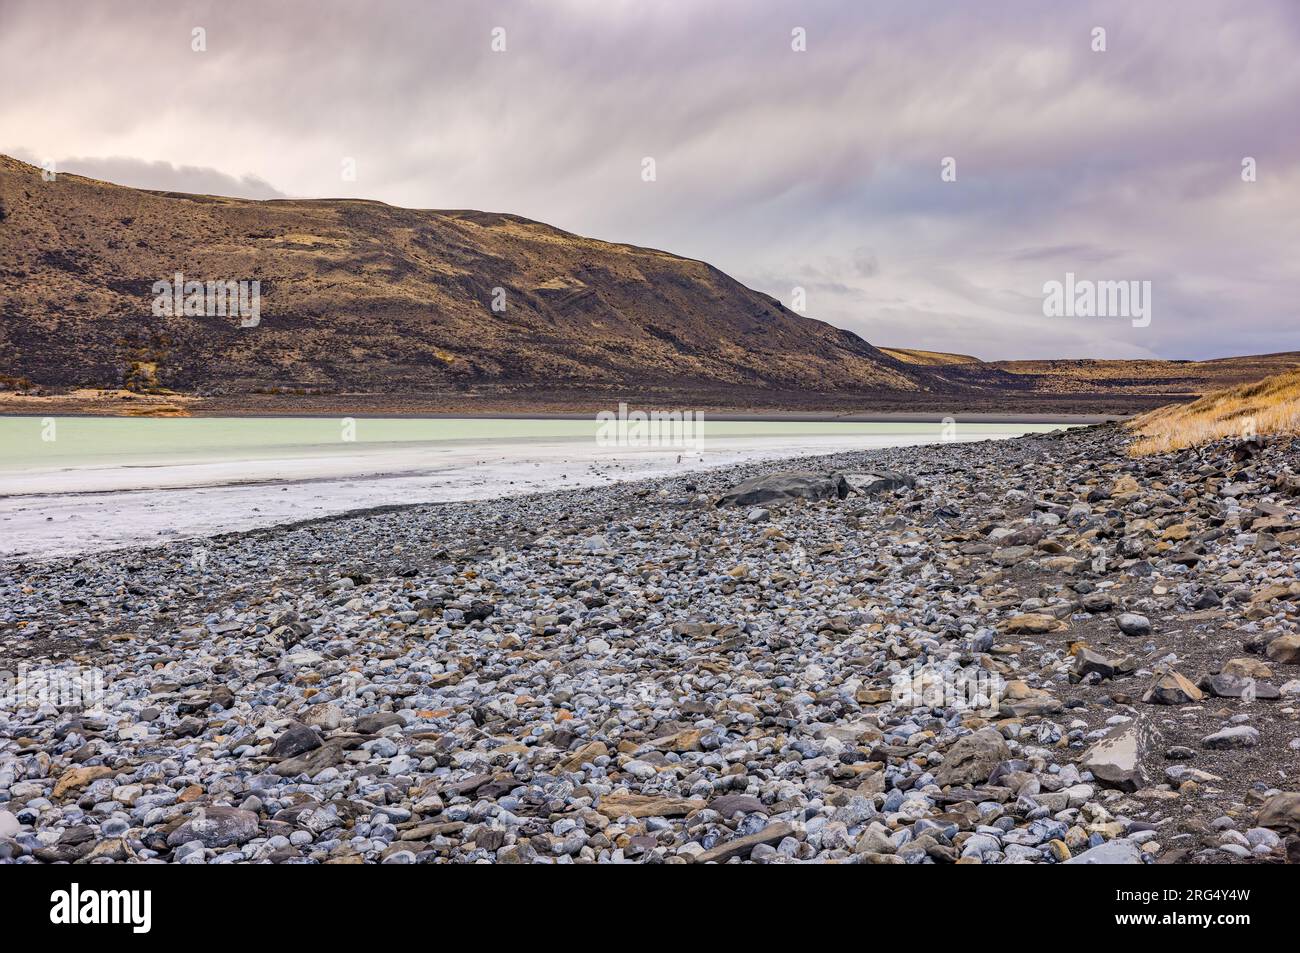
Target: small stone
pixel 1239 736
pixel 75 778
pixel 1132 624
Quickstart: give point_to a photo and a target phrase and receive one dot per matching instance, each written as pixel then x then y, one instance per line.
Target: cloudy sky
pixel 818 168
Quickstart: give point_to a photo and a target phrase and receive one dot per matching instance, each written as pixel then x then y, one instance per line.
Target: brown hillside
pixel 362 296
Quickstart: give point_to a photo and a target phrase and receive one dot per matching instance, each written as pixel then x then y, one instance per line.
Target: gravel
pixel 909 673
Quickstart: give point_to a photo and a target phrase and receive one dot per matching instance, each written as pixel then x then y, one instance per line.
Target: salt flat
pixel 106 484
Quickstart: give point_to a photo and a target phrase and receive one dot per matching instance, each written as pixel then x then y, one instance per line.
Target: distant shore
pixel 919 408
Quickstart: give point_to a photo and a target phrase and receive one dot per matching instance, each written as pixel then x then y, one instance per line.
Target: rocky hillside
pixel 370 308
pixel 358 296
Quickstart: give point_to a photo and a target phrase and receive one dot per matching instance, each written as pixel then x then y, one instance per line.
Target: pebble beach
pixel 1036 650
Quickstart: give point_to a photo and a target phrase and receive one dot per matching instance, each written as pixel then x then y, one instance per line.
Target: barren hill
pixel 360 296
pixel 369 307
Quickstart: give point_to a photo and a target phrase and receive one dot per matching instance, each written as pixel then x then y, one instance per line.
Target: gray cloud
pixel 158 175
pixel 818 169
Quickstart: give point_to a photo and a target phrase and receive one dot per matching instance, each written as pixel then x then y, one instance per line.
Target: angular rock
pixel 296 739
pixel 1281 812
pixel 1235 686
pixel 1284 650
pixel 75 778
pixel 729 805
pixel 885 481
pixel 1032 623
pixel 313 762
pixel 616 805
pixel 1171 688
pixel 375 723
pixel 1123 758
pixel 741 846
pixel 972 758
pixel 1246 667
pixel 584 755
pixel 1087 661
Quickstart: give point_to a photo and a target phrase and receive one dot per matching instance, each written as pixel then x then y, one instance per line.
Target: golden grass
pixel 911 355
pixel 1269 406
pixel 154 410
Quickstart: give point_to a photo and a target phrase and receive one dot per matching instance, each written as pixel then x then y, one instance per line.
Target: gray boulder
pixel 1236 686
pixel 296 739
pixel 784 486
pixel 216 826
pixel 883 481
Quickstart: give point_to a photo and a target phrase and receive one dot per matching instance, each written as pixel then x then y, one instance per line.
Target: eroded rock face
pixel 1123 759
pixel 785 486
pixel 663 332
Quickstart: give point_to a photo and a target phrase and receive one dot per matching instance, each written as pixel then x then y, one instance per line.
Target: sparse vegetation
pixel 1266 407
pixel 143 362
pixel 911 355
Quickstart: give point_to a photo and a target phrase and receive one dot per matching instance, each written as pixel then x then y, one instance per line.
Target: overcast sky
pixel 816 168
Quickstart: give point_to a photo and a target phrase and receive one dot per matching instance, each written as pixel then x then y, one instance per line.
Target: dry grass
pixel 911 355
pixel 1266 407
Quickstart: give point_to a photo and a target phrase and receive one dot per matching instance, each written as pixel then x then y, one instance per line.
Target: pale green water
pixel 116 441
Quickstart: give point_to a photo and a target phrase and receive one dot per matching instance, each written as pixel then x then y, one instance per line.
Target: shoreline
pixel 900 417
pixel 683 683
pixel 814 407
pixel 89 508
